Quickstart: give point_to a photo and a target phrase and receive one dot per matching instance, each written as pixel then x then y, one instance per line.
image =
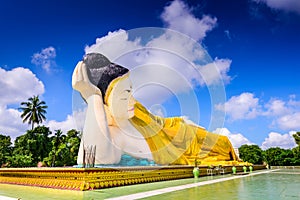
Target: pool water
pixel 283 185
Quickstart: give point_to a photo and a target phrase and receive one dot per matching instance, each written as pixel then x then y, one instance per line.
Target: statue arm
pixel 95 131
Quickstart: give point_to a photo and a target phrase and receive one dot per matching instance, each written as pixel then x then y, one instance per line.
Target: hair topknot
pixel 101 71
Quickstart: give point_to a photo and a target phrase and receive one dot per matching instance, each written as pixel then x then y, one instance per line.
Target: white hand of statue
pixel 81 82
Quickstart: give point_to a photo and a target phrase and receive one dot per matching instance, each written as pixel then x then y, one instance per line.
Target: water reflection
pixel 265 186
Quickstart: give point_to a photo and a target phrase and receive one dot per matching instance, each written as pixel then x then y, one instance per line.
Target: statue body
pixel 117 124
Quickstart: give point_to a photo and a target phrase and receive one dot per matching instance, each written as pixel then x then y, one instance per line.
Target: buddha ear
pixel 109 118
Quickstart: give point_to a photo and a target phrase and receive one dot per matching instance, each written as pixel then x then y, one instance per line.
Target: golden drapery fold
pixel 175 142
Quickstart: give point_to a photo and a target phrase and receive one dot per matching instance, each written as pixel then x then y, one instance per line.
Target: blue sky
pixel 254 44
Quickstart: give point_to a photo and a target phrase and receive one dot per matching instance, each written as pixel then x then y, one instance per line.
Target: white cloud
pixel 164 62
pixel 286 5
pixel 276 107
pixel 216 71
pixel 64 126
pixel 236 139
pixel 11 123
pixel 179 44
pixel 286 113
pixel 163 80
pixel 243 106
pixel 178 16
pixel 188 121
pixel 289 121
pixel 74 121
pixel 164 65
pixel 293 103
pixel 45 58
pixel 285 141
pixel 16 85
pixel 114 45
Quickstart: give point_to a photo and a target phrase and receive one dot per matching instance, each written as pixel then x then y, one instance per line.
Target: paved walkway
pixel 7 198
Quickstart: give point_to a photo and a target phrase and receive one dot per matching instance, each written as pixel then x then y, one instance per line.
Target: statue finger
pixel 76 76
pixel 84 73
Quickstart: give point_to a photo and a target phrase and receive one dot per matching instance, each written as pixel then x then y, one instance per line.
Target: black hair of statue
pixel 101 71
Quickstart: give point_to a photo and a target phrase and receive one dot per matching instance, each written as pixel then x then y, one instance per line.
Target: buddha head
pixel 114 84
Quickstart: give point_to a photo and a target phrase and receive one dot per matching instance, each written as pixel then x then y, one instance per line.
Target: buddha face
pixel 120 100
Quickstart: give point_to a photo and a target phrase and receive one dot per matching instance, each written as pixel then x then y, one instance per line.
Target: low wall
pixel 284 167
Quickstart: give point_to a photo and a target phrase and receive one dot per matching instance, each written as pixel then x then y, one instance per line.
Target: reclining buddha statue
pixel 117 124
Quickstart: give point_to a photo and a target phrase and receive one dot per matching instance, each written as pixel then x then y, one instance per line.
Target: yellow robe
pixel 173 141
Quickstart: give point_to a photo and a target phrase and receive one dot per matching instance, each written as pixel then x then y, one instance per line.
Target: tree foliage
pixel 5 149
pixel 36 143
pixel 40 145
pixel 276 156
pixel 20 160
pixel 297 138
pixel 64 149
pixel 251 153
pixel 296 153
pixel 273 156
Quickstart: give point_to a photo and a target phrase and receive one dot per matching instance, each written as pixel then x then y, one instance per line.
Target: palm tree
pixel 34 111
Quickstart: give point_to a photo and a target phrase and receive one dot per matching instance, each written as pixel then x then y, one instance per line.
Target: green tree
pixel 296 150
pixel 251 153
pixel 64 149
pixel 272 156
pixel 72 143
pixel 20 160
pixel 5 149
pixel 35 143
pixel 276 156
pixel 286 157
pixel 296 153
pixel 297 138
pixel 33 111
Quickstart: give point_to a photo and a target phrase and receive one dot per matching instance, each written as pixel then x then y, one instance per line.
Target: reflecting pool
pixel 281 184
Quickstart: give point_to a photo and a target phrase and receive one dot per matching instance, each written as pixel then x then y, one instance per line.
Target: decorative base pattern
pixel 98 178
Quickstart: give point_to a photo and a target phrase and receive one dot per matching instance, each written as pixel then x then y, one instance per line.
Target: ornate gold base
pixel 97 178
